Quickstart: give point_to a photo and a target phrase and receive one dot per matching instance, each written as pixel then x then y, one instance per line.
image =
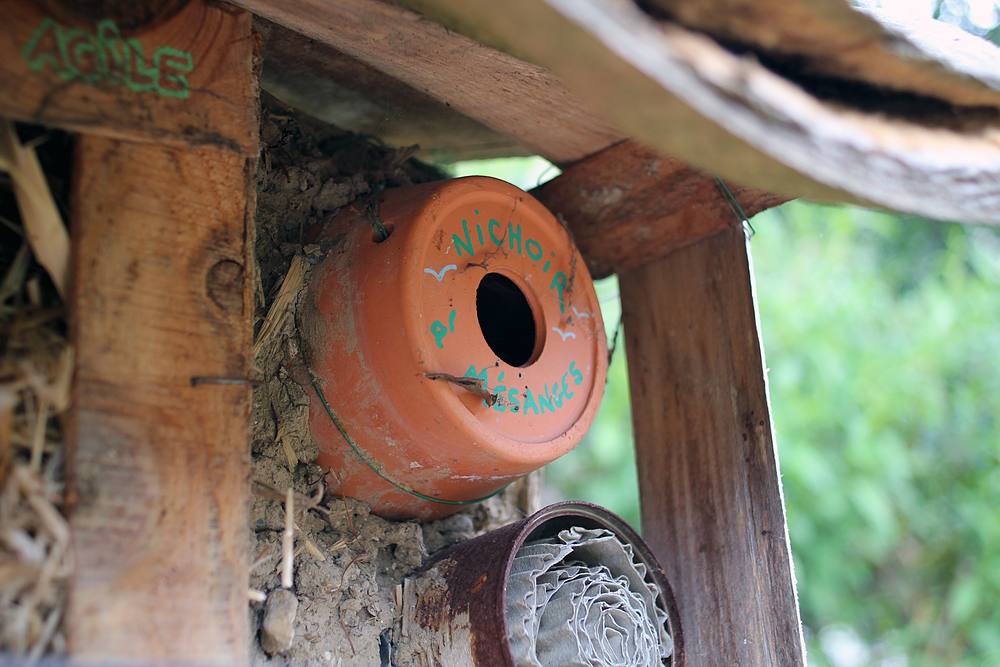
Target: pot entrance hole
pixel 506 319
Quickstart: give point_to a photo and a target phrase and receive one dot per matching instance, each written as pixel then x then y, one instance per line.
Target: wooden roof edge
pixel 683 93
pixel 887 49
pixel 331 86
pixel 515 98
pixel 623 202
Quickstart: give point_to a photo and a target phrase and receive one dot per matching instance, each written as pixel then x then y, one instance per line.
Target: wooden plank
pixel 519 100
pixel 166 82
pixel 690 97
pixel 323 82
pixel 712 508
pixel 160 296
pixel 159 467
pixel 836 41
pixel 629 205
pixel 573 49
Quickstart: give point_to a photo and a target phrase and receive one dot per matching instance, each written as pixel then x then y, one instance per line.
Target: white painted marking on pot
pixel 439 276
pixel 565 335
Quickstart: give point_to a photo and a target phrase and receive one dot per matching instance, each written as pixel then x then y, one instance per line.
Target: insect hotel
pixel 273 388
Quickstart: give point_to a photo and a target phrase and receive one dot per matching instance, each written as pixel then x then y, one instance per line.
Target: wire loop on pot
pixel 380 230
pixel 734 206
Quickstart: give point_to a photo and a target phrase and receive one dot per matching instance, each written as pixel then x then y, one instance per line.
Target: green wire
pixel 732 201
pixel 336 422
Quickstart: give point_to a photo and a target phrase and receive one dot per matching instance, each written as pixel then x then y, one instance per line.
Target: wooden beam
pixel 167 82
pixel 515 98
pixel 338 89
pixel 689 96
pixel 158 458
pixel 519 100
pixel 159 467
pixel 712 507
pixel 835 40
pixel 629 205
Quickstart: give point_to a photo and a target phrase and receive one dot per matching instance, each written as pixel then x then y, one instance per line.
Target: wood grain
pixel 160 294
pixel 189 87
pixel 519 100
pixel 830 38
pixel 316 78
pixel 685 94
pixel 712 508
pixel 159 467
pixel 629 205
pixel 128 15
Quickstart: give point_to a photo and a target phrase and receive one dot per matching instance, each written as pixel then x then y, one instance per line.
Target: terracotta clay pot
pixel 476 280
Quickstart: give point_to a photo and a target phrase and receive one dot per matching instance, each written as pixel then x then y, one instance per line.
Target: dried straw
pixel 290 288
pixel 288 540
pixel 43 225
pixel 36 368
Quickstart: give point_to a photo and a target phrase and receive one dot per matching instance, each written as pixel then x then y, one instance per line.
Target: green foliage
pixel 882 337
pixel 980 17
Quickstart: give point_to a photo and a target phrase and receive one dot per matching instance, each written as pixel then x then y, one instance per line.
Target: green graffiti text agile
pixel 75 54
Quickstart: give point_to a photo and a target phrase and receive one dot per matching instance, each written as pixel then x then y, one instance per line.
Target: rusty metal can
pixel 455 609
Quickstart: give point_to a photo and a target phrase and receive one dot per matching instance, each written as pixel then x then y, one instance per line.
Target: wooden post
pixel 712 507
pixel 159 463
pixel 160 306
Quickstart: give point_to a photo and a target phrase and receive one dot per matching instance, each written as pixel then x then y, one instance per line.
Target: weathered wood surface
pixel 629 205
pixel 160 294
pixel 113 76
pixel 159 468
pixel 829 38
pixel 516 99
pixel 712 508
pixel 323 82
pixel 830 138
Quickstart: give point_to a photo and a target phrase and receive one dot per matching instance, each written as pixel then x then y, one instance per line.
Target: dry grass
pixel 36 367
pixel 276 315
pixel 35 370
pixel 42 223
